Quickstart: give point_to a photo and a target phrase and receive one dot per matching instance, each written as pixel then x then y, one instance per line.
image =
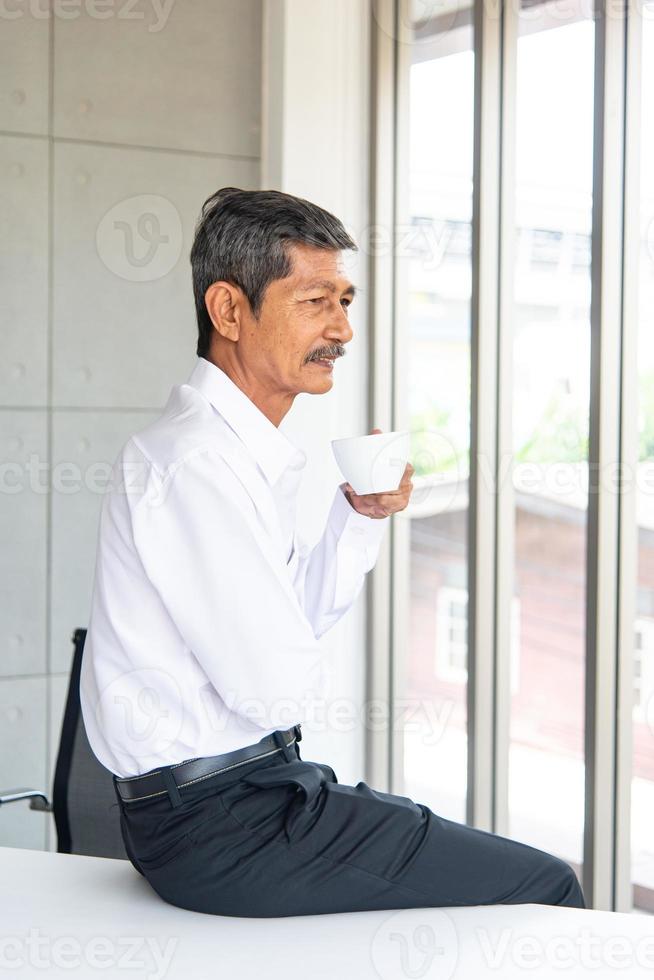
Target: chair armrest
pixel 38 800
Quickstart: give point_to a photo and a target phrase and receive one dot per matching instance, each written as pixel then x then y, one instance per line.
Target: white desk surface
pixel 80 917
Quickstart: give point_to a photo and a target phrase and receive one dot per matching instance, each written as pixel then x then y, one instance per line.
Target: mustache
pixel 336 350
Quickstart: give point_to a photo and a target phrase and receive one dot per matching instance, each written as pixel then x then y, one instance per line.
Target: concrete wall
pixel 115 125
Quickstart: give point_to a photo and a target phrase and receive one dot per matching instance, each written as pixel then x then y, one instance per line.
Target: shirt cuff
pixel 357 530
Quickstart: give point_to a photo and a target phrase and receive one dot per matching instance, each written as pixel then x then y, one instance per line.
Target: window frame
pixel 612 544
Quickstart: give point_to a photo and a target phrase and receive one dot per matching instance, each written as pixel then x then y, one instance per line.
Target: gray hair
pixel 242 237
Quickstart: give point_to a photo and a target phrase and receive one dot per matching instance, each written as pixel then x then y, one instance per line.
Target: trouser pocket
pixel 308 778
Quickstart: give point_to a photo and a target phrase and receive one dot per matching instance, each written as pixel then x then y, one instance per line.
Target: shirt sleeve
pixel 227 590
pixel 328 578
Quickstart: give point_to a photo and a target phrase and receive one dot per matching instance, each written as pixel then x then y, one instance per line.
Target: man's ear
pixel 224 301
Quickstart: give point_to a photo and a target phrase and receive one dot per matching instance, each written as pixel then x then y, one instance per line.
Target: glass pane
pixel 642 789
pixel 438 302
pixel 551 364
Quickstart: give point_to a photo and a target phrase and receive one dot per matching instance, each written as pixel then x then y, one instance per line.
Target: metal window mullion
pixel 401 524
pixel 603 457
pixel 628 529
pixel 380 374
pixel 482 517
pixel 505 512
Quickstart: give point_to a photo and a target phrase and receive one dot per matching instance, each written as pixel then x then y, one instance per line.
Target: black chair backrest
pixel 85 807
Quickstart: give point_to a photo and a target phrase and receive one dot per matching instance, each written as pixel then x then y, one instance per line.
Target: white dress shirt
pixel 207 608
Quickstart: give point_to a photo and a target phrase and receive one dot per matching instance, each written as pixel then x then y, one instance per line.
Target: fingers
pixel 408 473
pixel 406 484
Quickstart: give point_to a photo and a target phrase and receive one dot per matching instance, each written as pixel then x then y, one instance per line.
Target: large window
pixel 523 328
pixel 438 340
pixel 551 364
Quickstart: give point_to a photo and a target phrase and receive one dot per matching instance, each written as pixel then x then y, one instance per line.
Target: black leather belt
pixel 170 779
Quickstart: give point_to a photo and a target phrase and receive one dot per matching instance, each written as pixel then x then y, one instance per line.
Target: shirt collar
pixel 266 443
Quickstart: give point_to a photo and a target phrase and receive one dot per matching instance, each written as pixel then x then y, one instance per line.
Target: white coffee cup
pixel 374 463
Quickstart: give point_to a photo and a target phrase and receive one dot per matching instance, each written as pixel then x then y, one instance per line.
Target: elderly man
pixel 202 656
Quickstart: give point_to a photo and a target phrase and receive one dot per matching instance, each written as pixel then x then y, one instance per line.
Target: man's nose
pixel 340 328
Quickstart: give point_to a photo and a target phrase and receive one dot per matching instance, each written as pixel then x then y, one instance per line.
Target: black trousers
pixel 283 837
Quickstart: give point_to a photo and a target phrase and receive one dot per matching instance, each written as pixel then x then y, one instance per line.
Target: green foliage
pixel 560 436
pixel 433 446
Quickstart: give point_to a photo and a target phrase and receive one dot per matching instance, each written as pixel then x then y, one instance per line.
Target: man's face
pixel 303 317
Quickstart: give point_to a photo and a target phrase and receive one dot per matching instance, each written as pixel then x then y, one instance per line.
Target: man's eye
pixel 316 299
pixel 345 303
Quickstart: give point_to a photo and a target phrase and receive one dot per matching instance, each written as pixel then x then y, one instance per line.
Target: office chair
pixel 86 812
